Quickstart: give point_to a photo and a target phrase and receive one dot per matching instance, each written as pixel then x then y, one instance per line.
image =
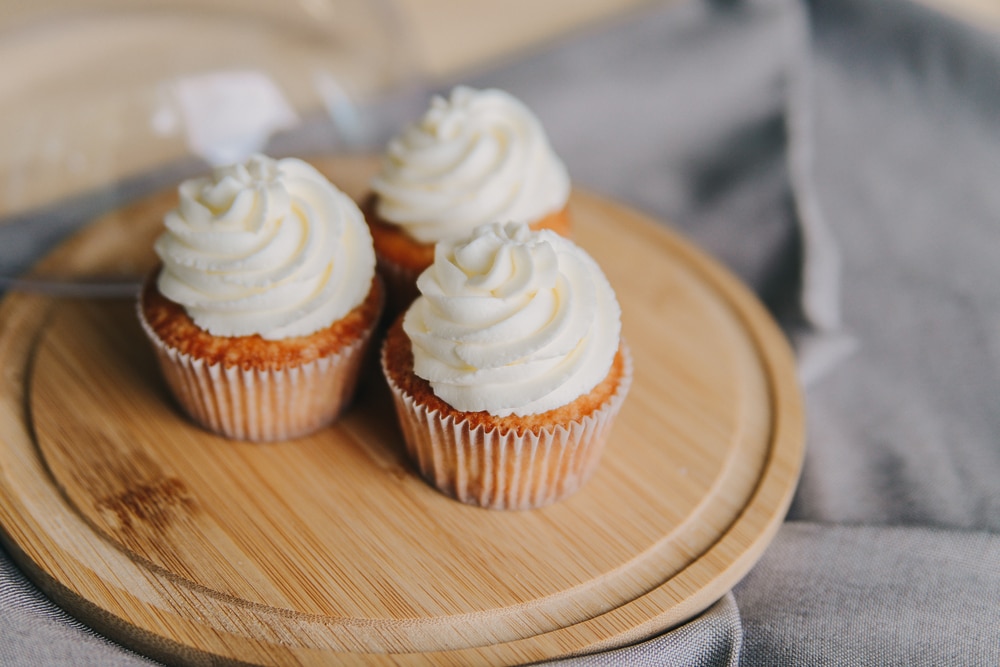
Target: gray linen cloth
pixel 843 158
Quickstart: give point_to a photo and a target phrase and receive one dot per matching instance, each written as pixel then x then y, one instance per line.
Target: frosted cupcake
pixel 509 369
pixel 474 158
pixel 265 301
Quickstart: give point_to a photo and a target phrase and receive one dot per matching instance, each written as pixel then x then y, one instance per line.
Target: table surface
pixel 452 38
pixel 445 42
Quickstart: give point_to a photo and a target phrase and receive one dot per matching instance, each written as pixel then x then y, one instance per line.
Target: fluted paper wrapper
pixel 261 405
pixel 503 470
pixel 401 287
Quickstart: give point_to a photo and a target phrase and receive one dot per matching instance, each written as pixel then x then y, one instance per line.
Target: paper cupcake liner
pixel 499 469
pixel 401 287
pixel 261 405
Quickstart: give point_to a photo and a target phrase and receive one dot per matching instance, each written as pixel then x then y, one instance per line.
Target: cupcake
pixel 474 158
pixel 509 369
pixel 265 301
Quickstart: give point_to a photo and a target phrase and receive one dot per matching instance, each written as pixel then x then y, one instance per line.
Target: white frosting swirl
pixel 266 247
pixel 475 158
pixel 512 321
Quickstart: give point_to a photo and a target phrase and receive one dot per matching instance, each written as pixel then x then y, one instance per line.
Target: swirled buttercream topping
pixel 512 321
pixel 474 158
pixel 265 247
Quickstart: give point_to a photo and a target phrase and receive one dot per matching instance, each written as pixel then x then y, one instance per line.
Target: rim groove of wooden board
pixel 190 547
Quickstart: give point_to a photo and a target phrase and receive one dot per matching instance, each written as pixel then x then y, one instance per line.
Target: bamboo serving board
pixel 195 549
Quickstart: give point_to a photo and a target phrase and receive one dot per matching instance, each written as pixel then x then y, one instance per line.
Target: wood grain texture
pixel 192 548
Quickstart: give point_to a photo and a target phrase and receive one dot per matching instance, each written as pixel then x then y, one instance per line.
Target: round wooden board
pixel 192 548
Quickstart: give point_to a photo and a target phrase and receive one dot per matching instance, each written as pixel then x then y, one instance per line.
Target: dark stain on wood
pixel 153 505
